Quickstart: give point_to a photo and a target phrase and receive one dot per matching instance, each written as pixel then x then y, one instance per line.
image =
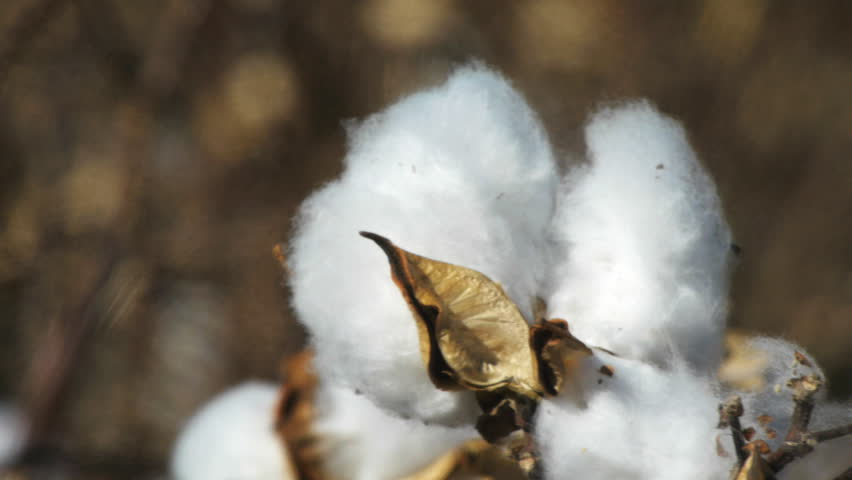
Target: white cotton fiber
pixel 644 248
pixel 360 441
pixel 462 173
pixel 641 423
pixel 233 437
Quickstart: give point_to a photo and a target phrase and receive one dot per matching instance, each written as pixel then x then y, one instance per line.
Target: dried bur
pixel 306 451
pixel 295 416
pixel 756 459
pixel 473 337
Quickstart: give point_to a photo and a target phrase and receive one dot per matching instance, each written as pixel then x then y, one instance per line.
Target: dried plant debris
pixel 757 459
pixel 332 434
pixel 558 352
pixel 295 414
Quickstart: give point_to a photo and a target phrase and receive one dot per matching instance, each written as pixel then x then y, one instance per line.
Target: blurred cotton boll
pixel 363 442
pixel 13 431
pixel 640 423
pixel 233 437
pixel 643 248
pixel 462 173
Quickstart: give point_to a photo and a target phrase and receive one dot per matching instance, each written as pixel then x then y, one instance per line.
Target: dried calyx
pixel 472 336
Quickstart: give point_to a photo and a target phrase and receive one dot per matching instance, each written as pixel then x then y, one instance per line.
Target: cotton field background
pixel 153 153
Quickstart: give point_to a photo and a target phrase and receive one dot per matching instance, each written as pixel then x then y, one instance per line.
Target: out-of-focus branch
pixel 831 433
pixel 30 20
pixel 847 475
pixel 59 350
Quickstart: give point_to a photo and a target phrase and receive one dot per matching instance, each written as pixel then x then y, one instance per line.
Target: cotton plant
pixel 574 323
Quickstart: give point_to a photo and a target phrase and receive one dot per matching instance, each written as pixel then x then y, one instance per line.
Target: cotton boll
pixel 641 423
pixel 769 410
pixel 643 269
pixel 462 173
pixel 361 441
pixel 233 437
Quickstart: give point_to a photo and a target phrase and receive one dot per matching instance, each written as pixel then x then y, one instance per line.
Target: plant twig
pixel 730 412
pixel 798 442
pixel 847 475
pixel 831 433
pixel 804 389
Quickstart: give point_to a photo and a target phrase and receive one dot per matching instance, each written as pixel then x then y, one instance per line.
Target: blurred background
pixel 153 152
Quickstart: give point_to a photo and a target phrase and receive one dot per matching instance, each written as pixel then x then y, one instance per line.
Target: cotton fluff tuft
pixel 644 247
pixel 233 437
pixel 462 173
pixel 363 442
pixel 641 423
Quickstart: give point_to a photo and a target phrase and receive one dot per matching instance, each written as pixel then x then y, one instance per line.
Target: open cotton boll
pixel 641 423
pixel 462 173
pixel 233 437
pixel 770 409
pixel 361 441
pixel 644 264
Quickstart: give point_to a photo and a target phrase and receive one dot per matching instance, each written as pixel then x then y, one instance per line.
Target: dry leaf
pixel 558 352
pixel 471 334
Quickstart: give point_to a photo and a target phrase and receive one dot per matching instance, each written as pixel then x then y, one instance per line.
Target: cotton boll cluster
pixel 643 422
pixel 643 247
pixel 462 173
pixel 233 436
pixel 363 442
